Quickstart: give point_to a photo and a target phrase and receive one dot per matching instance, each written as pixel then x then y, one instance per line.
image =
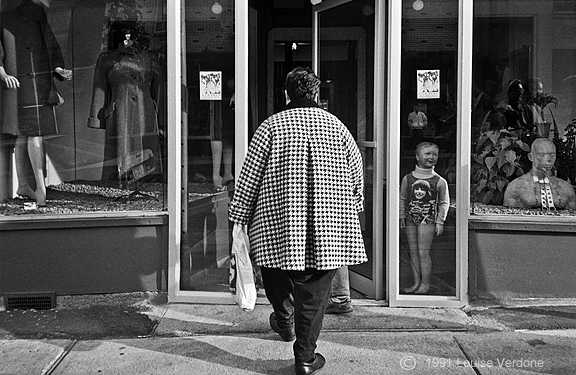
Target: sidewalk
pixel 221 339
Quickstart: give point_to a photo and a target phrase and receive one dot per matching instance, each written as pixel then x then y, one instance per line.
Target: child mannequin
pixel 424 202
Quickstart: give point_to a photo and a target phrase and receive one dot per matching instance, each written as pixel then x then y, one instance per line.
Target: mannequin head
pixel 127 33
pixel 516 92
pixel 542 155
pixel 426 155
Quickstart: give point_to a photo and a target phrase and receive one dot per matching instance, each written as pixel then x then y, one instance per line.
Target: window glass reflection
pixel 209 133
pixel 523 107
pixel 83 107
pixel 428 149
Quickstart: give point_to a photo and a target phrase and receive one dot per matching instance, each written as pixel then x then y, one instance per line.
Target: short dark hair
pixel 422 145
pixel 302 83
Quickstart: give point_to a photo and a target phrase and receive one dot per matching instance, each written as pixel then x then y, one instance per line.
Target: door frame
pixel 387 86
pixel 177 109
pixel 464 106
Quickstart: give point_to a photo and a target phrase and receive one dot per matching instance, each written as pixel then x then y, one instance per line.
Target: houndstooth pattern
pixel 300 190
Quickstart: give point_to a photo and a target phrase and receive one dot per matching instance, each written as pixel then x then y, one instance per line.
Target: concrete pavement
pixel 221 339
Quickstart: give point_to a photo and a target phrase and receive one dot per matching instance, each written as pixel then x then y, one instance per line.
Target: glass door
pixel 209 102
pixel 344 55
pixel 428 199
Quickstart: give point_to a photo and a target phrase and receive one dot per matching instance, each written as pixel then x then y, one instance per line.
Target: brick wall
pixel 208 32
pixel 430 34
pixel 434 28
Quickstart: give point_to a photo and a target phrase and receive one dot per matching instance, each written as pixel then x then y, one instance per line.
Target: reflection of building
pixel 369 81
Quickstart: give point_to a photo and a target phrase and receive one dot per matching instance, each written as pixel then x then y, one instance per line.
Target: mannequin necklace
pixel 546 198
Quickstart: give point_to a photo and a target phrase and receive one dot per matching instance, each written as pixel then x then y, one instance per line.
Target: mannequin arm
pixel 11 81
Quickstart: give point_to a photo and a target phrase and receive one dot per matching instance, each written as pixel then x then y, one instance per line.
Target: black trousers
pixel 299 298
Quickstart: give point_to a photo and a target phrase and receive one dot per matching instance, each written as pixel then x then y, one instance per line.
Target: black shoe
pixel 309 368
pixel 287 334
pixel 339 308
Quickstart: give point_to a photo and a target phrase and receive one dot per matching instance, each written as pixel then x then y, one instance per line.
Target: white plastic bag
pixel 242 284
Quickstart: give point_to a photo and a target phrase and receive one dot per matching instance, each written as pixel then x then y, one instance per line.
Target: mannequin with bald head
pixel 539 188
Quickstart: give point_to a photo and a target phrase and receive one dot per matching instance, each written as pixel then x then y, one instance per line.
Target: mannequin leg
pixel 425 237
pixel 22 167
pixel 216 160
pixel 227 155
pixel 37 159
pixel 412 235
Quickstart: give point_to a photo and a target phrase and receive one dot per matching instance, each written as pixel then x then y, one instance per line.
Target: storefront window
pixel 427 150
pixel 83 106
pixel 524 112
pixel 208 180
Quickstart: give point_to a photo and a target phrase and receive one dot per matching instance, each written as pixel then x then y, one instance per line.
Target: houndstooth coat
pixel 300 190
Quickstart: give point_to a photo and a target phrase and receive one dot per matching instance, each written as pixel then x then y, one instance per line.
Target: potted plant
pixel 539 102
pixel 496 159
pixel 566 154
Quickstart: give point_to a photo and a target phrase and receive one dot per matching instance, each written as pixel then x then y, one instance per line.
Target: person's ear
pixel 530 156
pixel 286 97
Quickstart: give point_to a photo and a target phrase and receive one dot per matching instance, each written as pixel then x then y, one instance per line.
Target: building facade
pixel 164 96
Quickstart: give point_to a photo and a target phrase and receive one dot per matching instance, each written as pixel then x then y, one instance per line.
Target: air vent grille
pixel 26 301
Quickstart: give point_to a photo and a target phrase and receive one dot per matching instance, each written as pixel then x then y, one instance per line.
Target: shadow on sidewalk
pixel 84 317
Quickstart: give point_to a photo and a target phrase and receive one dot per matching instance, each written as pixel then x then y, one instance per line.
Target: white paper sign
pixel 428 84
pixel 210 85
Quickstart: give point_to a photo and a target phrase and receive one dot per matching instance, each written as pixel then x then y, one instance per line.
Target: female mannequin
pixel 28 40
pixel 223 143
pixel 126 101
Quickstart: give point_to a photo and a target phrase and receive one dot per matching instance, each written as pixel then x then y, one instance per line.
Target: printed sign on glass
pixel 428 84
pixel 210 85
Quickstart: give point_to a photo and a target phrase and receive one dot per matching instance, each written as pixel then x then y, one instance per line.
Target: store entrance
pixel 283 31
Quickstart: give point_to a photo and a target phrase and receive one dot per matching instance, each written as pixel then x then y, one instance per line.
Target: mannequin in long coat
pixel 30 58
pixel 125 102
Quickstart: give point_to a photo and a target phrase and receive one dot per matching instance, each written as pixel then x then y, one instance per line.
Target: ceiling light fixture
pixel 418 5
pixel 367 10
pixel 216 8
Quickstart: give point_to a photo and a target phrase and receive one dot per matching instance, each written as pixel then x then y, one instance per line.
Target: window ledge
pixel 531 223
pixel 83 220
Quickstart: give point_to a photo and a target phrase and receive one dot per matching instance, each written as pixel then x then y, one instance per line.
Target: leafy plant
pixel 540 101
pixel 566 154
pixel 495 160
pixel 123 10
pixel 543 100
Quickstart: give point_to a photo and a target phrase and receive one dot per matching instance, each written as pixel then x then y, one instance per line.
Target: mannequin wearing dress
pixel 30 58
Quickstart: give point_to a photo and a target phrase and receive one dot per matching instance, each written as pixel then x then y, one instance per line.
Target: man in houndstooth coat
pixel 300 191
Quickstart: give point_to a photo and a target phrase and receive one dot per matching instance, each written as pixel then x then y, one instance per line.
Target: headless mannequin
pixel 29 150
pixel 223 150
